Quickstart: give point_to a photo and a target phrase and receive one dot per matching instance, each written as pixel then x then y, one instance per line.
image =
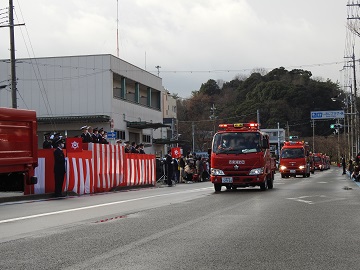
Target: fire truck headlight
pixel 282 167
pixel 217 172
pixel 256 171
pixel 301 167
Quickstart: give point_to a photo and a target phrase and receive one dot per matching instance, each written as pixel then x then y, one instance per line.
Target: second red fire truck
pixel 294 159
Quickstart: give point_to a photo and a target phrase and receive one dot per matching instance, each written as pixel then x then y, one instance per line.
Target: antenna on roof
pixel 117 28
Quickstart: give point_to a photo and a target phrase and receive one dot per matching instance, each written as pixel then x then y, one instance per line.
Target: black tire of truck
pixel 217 187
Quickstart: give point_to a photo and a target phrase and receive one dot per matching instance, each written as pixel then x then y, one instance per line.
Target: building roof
pixel 74 119
pixel 145 125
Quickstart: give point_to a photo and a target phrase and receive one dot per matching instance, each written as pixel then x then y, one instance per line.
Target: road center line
pixel 99 205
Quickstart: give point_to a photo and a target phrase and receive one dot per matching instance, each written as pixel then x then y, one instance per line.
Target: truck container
pixel 18 149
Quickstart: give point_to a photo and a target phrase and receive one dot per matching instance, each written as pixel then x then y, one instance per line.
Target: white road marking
pixel 99 205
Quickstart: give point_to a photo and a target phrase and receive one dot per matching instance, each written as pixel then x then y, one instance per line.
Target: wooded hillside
pixel 280 96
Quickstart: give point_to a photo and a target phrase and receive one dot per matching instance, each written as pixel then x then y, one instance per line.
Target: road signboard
pixel 317 115
pixel 111 135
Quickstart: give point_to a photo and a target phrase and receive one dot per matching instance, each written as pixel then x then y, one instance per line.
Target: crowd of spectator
pixel 186 169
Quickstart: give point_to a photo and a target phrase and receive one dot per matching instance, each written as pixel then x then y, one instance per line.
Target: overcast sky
pixel 192 40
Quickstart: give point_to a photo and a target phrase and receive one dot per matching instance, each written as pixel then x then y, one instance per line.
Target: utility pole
pixel 193 137
pixel 313 138
pixel 213 117
pixel 278 137
pixel 12 55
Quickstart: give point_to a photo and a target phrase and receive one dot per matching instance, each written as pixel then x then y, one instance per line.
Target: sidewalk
pixel 17 196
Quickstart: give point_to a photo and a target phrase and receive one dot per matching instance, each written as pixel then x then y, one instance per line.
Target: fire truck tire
pixel 282 175
pixel 217 187
pixel 270 184
pixel 264 185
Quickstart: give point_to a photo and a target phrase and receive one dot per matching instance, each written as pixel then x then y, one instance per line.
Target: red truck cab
pixel 240 157
pixel 294 159
pixel 18 148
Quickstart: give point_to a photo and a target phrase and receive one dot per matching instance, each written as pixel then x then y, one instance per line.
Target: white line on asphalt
pixel 99 205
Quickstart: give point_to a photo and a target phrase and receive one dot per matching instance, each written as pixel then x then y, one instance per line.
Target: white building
pixel 95 90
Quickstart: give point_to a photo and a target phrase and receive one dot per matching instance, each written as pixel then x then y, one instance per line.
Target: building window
pixel 146 138
pixel 117 92
pixel 120 134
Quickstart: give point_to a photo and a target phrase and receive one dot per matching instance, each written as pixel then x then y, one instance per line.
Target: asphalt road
pixel 303 223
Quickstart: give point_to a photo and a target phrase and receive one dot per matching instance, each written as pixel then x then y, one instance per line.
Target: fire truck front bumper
pixel 238 181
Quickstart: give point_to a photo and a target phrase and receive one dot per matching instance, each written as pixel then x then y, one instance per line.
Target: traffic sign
pixel 111 135
pixel 328 114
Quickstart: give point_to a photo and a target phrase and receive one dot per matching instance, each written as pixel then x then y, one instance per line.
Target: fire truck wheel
pixel 264 185
pixel 217 187
pixel 282 175
pixel 270 184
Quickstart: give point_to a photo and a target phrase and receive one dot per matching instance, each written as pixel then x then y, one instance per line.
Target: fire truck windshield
pixel 293 153
pixel 236 142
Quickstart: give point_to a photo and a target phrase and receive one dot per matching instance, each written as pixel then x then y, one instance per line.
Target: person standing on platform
pixel 59 167
pixel 47 144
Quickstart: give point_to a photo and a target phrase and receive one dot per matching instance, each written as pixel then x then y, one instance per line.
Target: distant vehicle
pixel 18 149
pixel 319 161
pixel 240 157
pixel 294 159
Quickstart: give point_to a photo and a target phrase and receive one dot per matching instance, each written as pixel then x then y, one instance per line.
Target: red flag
pixel 74 144
pixel 176 152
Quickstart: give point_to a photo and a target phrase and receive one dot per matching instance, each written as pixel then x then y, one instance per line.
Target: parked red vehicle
pixel 294 159
pixel 18 148
pixel 241 157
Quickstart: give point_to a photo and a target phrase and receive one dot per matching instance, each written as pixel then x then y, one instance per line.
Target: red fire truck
pixel 319 161
pixel 240 157
pixel 294 159
pixel 18 148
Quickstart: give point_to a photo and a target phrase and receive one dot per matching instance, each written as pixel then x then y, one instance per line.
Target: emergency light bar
pixel 293 143
pixel 240 126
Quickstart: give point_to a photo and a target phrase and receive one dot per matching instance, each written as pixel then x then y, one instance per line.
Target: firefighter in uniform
pixel 59 167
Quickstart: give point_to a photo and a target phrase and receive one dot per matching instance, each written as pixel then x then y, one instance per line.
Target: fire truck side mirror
pixel 265 143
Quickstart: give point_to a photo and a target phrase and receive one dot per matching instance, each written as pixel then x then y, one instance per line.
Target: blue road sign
pixel 328 114
pixel 111 135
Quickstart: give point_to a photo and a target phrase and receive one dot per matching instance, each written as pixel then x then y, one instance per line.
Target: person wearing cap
pixel 59 166
pixel 47 144
pixel 85 134
pixel 55 138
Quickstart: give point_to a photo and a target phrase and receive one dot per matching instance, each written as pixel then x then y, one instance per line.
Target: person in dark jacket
pixel 169 168
pixel 47 144
pixel 59 167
